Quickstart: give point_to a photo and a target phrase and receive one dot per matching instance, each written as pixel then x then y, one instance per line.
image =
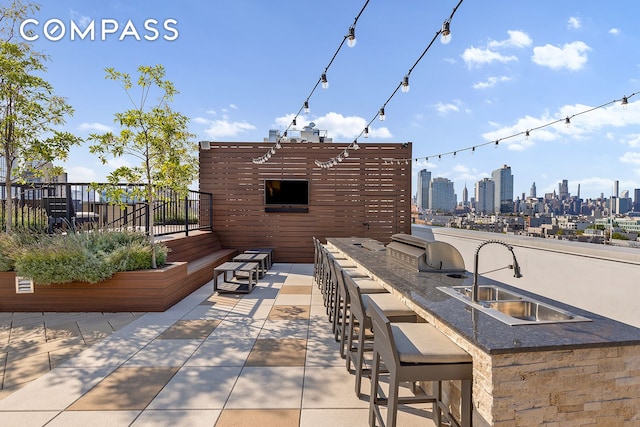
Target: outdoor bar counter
pixel 567 373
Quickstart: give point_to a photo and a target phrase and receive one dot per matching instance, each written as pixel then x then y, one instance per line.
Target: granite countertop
pixel 480 329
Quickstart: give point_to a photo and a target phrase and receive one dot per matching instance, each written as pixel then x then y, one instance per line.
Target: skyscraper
pixel 636 200
pixel 424 180
pixel 532 192
pixel 485 196
pixel 442 196
pixel 465 196
pixel 563 189
pixel 503 201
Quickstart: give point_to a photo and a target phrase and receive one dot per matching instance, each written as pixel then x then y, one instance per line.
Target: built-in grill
pixel 422 255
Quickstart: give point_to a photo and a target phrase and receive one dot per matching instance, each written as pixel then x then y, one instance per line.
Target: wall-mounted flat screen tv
pixel 286 192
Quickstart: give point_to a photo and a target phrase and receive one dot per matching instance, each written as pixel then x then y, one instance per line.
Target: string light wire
pixel 403 85
pixel 527 133
pixel 322 80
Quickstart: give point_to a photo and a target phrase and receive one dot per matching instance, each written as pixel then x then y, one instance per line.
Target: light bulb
pixel 567 121
pixel 325 82
pixel 306 107
pixel 381 115
pixel 405 84
pixel 351 38
pixel 625 102
pixel 366 132
pixel 445 33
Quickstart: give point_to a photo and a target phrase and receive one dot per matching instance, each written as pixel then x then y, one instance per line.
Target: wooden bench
pixel 203 252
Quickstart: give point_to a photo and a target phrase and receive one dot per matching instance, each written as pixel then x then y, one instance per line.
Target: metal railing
pixel 49 207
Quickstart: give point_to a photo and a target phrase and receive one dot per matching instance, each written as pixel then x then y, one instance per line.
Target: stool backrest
pixel 383 341
pixel 354 295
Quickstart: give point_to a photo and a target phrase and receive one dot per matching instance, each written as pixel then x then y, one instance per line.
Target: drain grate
pixel 24 285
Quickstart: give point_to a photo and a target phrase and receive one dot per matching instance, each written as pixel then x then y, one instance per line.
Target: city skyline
pixel 495 194
pixel 508 68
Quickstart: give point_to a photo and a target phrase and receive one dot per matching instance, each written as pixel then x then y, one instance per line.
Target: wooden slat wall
pixel 364 196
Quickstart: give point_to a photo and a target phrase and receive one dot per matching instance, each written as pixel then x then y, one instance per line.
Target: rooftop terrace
pixel 265 358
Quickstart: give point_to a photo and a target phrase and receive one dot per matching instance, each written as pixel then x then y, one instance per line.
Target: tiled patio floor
pixel 267 358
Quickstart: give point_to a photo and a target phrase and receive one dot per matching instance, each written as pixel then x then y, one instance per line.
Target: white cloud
pixel 81 174
pixel 233 106
pixel 491 82
pixel 337 126
pixel 82 20
pixel 574 23
pixel 446 108
pixel 94 127
pixel 517 39
pixel 633 140
pixel 200 120
pixel 614 31
pixel 545 128
pixel 630 157
pixel 475 56
pixel 572 56
pixel 225 128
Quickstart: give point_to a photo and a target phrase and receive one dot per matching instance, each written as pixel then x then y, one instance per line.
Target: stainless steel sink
pixel 511 307
pixel 488 293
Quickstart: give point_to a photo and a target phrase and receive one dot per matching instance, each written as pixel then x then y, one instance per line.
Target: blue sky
pixel 244 67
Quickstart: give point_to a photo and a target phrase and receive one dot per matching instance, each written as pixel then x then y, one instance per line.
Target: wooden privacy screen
pixel 363 196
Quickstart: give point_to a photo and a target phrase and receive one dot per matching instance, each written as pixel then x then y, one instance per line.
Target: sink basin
pixel 488 293
pixel 510 307
pixel 531 311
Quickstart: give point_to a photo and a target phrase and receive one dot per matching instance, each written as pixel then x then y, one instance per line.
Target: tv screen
pixel 286 192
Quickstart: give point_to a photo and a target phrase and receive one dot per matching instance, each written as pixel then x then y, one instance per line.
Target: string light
pixel 624 101
pixel 567 121
pixel 402 86
pixel 350 39
pixel 405 84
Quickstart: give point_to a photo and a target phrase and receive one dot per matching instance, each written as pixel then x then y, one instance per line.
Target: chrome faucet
pixel 515 266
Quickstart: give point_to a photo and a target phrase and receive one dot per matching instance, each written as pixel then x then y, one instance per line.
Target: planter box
pixel 190 265
pixel 142 290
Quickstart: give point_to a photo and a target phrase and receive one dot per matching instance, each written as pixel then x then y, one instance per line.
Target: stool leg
pixel 375 372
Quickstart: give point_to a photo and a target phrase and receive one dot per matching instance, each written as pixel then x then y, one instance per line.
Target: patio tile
pixel 21 370
pixel 285 329
pixel 293 299
pixel 259 417
pixel 125 389
pixel 164 353
pixel 278 352
pixel 267 387
pixel 222 351
pixel 296 289
pixel 197 388
pixel 94 418
pixel 55 390
pixel 173 418
pixel 57 357
pixel 289 312
pixel 331 387
pixel 29 418
pixel 189 329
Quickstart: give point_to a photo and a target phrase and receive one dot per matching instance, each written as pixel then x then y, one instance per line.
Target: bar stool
pixel 416 352
pixel 342 315
pixel 339 267
pixel 390 305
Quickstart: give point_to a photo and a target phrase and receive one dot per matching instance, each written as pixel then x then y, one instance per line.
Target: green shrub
pixel 83 257
pixel 136 256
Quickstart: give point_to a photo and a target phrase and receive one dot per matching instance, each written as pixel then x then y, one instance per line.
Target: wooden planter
pixel 142 290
